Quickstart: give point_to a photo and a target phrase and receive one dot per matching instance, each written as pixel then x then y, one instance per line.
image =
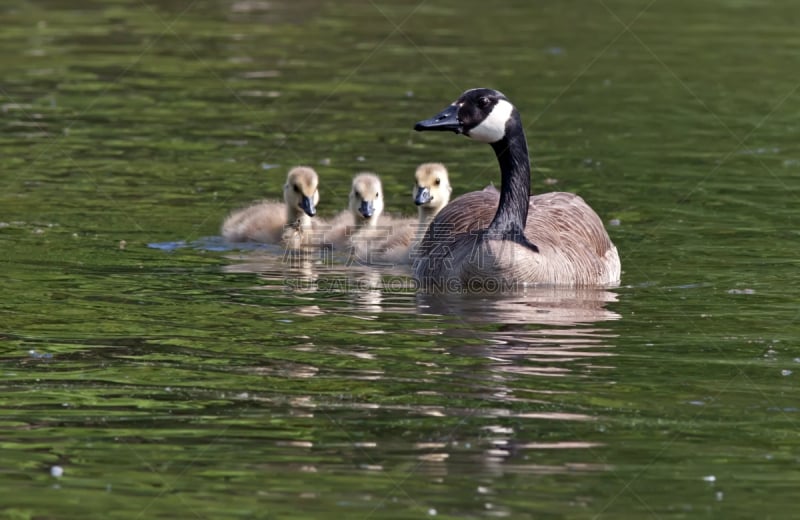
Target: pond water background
pixel 173 376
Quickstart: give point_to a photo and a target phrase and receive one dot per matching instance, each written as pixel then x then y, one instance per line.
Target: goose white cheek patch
pixel 493 128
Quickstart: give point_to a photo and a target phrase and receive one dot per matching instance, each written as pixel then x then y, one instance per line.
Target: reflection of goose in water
pixel 551 305
pixel 521 344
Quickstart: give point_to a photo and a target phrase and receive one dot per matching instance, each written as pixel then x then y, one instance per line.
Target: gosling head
pixel 480 113
pixel 366 199
pixel 301 190
pixel 431 187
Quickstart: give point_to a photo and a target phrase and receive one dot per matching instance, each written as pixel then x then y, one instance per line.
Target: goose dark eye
pixel 378 194
pixel 483 101
pixel 438 181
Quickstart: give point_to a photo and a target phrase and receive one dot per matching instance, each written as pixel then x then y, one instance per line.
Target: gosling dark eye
pixel 483 102
pixel 377 195
pixel 296 188
pixel 438 181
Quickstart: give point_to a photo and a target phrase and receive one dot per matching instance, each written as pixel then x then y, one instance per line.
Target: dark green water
pixel 171 376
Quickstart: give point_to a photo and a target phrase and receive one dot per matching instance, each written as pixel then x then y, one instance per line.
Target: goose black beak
pixel 445 120
pixel 366 209
pixel 423 196
pixel 307 205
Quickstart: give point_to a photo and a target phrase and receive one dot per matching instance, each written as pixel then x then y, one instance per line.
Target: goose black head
pixel 479 113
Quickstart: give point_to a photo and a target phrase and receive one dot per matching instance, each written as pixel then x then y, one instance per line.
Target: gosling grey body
pixel 360 219
pixel 288 223
pixel 431 192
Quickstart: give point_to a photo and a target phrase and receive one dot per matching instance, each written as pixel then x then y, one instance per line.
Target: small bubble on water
pixel 710 478
pixel 614 222
pixel 56 471
pixel 719 495
pixel 741 291
pixel 431 512
pixel 786 372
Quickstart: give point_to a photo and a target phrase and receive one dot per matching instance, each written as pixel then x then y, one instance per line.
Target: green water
pixel 172 376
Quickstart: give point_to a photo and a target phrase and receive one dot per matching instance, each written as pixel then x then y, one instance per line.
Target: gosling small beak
pixel 366 209
pixel 307 205
pixel 423 196
pixel 447 119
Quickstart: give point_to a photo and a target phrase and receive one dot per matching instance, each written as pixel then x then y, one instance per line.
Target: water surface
pixel 172 375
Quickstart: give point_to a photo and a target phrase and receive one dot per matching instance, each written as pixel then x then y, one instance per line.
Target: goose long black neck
pixel 515 184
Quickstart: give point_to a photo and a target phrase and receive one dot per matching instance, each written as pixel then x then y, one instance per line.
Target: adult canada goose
pixel 272 222
pixel 431 192
pixel 364 209
pixel 554 238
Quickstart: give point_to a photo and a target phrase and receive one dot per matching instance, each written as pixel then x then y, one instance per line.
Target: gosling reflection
pixel 367 293
pixel 294 271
